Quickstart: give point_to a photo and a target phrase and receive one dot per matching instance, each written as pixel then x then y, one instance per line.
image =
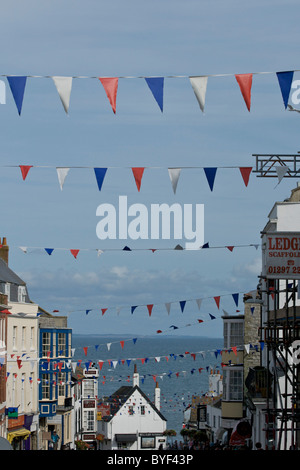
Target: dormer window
pixel 21 294
pixel 7 290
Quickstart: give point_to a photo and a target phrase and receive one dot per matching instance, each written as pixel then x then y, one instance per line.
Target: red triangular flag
pixel 217 300
pixel 103 310
pixel 193 355
pixel 122 344
pixel 24 170
pixel 150 307
pixel 138 174
pixel 85 350
pixel 100 363
pixel 245 172
pixel 245 84
pixel 110 86
pixel 230 248
pixel 200 321
pixel 74 253
pixel 234 349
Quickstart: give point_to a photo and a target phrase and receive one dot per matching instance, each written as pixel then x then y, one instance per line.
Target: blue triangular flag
pixel 128 362
pixel 210 175
pixel 126 248
pixel 87 311
pixel 182 304
pixel 17 86
pixel 49 250
pixel 211 316
pixel 262 345
pixel 285 81
pixel 236 298
pixel 100 174
pixel 206 245
pixel 133 308
pixel 156 85
pixel 134 340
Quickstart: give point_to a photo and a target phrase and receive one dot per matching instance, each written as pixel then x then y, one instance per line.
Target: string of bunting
pixel 178 247
pixel 155 84
pixel 138 173
pixel 181 303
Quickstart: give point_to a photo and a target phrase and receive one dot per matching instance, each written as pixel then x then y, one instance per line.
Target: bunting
pixel 198 84
pixel 64 86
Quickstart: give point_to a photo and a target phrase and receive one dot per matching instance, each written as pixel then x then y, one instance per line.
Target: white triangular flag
pixel 61 174
pixel 199 301
pixel 108 346
pixel 168 306
pixel 174 174
pixel 114 363
pixel 23 248
pixel 64 86
pixel 99 252
pixel 281 171
pixel 247 347
pixel 199 85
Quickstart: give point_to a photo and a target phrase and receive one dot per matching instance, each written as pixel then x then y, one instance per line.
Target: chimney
pixel 4 249
pixel 157 396
pixel 135 376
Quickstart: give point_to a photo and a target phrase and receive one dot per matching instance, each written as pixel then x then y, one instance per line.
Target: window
pixel 61 379
pixel 88 388
pixel 130 410
pixel 21 293
pixel 46 344
pixel 46 387
pixel 7 290
pixel 32 338
pixel 142 410
pixel 23 338
pixel 61 346
pixel 233 379
pixel 233 333
pixel 14 338
pixel 89 420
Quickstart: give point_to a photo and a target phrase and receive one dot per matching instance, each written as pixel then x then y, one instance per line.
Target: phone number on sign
pixel 284 269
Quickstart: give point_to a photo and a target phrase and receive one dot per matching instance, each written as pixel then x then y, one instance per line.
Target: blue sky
pixel 139 39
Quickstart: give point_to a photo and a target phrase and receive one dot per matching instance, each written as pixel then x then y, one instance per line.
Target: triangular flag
pixel 199 301
pixel 234 350
pixel 236 298
pixel 85 349
pixel 285 82
pixel 64 86
pixel 245 172
pixel 217 300
pixel 230 248
pixel 133 308
pixel 150 307
pixel 74 253
pixel 199 85
pixel 110 86
pixel 100 363
pixel 61 174
pixel 210 175
pixel 182 305
pixel 156 85
pixel 103 310
pixel 206 245
pixel 281 171
pixel 49 250
pixel 24 170
pixel 245 84
pixel 100 174
pixel 174 174
pixel 138 174
pixel 17 86
pixel 122 344
pixel 212 316
pixel 168 307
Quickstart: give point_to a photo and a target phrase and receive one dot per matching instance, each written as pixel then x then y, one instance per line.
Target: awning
pixel 20 433
pixel 125 437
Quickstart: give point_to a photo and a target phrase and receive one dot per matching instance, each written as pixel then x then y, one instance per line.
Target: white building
pixel 21 359
pixel 280 317
pixel 129 420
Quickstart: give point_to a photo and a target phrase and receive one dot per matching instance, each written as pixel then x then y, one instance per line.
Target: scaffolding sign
pixel 282 255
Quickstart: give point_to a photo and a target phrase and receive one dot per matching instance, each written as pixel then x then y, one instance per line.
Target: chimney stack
pixel 4 249
pixel 157 396
pixel 136 380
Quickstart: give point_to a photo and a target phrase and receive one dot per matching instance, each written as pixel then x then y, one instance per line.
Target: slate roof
pixel 120 396
pixel 8 275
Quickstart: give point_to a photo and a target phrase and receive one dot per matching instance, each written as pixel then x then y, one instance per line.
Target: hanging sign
pixel 282 255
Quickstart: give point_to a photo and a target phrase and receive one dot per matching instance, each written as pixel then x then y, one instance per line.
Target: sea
pixel 180 365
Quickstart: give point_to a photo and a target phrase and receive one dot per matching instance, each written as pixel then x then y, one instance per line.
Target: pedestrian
pixel 55 439
pixel 258 446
